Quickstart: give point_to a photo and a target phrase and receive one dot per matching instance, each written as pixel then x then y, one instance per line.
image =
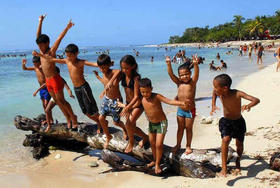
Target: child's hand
pixel 125 111
pixel 34 94
pixel 95 72
pixel 195 59
pixel 167 60
pixel 24 61
pixel 186 103
pixel 214 108
pixel 109 85
pixel 41 18
pixel 120 104
pixel 70 24
pixel 245 107
pixel 35 53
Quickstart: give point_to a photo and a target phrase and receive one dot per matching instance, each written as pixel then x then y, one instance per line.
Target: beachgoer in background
pixel 232 125
pixel 240 50
pixel 277 55
pixel 250 51
pixel 152 59
pixel 157 119
pixel 260 53
pixel 186 91
pixel 212 67
pixel 218 56
pixel 223 65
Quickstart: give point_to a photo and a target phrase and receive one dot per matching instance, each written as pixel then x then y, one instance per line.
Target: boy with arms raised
pixel 186 91
pixel 54 82
pixel 81 87
pixel 157 119
pixel 232 125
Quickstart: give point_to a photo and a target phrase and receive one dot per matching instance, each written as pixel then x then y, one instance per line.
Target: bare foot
pixel 175 149
pixel 74 122
pixel 223 173
pixel 68 123
pixel 143 141
pixel 128 148
pixel 151 164
pixel 188 151
pixel 238 168
pixel 43 122
pixel 125 134
pixel 47 129
pixel 98 130
pixel 106 144
pixel 158 169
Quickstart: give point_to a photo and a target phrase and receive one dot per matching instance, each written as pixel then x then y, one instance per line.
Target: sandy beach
pixel 73 170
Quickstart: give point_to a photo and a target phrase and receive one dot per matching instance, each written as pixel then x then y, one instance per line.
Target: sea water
pixel 17 87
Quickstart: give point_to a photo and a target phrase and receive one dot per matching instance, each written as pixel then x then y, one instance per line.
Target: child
pixel 54 81
pixel 45 96
pixel 81 87
pixel 157 119
pixel 232 125
pixel 52 103
pixel 112 94
pixel 186 91
pixel 260 53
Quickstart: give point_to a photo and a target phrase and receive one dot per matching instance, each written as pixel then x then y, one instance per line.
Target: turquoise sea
pixel 17 87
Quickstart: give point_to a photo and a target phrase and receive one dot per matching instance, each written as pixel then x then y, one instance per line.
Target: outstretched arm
pixel 173 102
pixel 58 40
pixel 50 58
pixel 214 107
pixel 24 66
pixel 91 64
pixel 174 78
pixel 99 78
pixel 254 101
pixel 195 61
pixel 39 30
pixel 41 87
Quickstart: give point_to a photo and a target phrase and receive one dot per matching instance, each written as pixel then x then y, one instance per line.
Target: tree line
pixel 262 27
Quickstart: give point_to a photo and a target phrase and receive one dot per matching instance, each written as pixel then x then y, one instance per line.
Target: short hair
pixel 57 69
pixel 71 48
pixel 103 59
pixel 43 38
pixel 36 59
pixel 145 82
pixel 224 80
pixel 185 66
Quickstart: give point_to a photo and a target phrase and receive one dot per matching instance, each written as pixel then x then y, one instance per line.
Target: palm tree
pixel 238 23
pixel 256 26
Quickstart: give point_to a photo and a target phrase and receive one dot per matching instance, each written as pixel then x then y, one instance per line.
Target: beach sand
pixel 72 169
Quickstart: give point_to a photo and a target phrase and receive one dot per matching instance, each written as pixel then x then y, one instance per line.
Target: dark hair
pixel 130 60
pixel 145 82
pixel 57 69
pixel 224 80
pixel 72 48
pixel 185 66
pixel 43 38
pixel 36 59
pixel 104 59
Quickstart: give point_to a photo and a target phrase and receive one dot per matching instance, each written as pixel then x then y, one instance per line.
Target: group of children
pixel 139 97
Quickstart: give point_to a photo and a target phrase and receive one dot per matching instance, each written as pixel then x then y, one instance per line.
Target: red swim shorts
pixel 55 84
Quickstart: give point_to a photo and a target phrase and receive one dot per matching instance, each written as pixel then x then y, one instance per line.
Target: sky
pixel 117 22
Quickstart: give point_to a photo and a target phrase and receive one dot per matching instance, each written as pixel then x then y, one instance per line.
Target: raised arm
pixel 91 64
pixel 58 40
pixel 214 107
pixel 254 100
pixel 195 61
pixel 174 78
pixel 99 78
pixel 39 30
pixel 173 102
pixel 24 66
pixel 50 58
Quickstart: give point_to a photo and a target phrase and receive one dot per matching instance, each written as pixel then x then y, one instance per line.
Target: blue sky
pixel 117 22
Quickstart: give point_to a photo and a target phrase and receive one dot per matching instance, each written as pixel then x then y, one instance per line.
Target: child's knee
pixel 101 118
pixel 226 139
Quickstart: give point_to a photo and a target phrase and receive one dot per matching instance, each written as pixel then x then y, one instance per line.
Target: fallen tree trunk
pixel 202 163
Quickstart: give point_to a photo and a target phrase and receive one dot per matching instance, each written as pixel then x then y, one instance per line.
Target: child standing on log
pixel 81 87
pixel 232 125
pixel 186 91
pixel 157 119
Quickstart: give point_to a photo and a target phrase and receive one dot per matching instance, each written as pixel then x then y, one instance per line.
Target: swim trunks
pixel 110 107
pixel 45 94
pixel 86 100
pixel 260 54
pixel 186 114
pixel 160 127
pixel 55 83
pixel 233 128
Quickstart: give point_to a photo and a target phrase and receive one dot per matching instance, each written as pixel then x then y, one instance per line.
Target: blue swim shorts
pixel 186 114
pixel 109 107
pixel 45 94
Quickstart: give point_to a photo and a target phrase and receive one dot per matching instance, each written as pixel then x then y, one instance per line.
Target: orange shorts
pixel 55 84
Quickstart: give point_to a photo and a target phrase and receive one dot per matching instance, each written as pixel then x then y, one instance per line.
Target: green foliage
pixel 238 29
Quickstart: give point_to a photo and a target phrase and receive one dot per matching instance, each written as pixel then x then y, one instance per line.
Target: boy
pixel 81 87
pixel 157 119
pixel 112 94
pixel 54 82
pixel 232 125
pixel 45 96
pixel 186 91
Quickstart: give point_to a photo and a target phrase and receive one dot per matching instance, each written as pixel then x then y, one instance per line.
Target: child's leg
pixel 189 127
pixel 48 111
pixel 121 125
pixel 239 148
pixel 102 120
pixel 95 117
pixel 225 144
pixel 180 132
pixel 152 139
pixel 159 151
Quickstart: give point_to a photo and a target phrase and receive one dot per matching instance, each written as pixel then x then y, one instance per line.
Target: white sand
pixel 263 140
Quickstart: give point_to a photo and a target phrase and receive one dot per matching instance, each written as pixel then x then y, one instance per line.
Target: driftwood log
pixel 202 163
